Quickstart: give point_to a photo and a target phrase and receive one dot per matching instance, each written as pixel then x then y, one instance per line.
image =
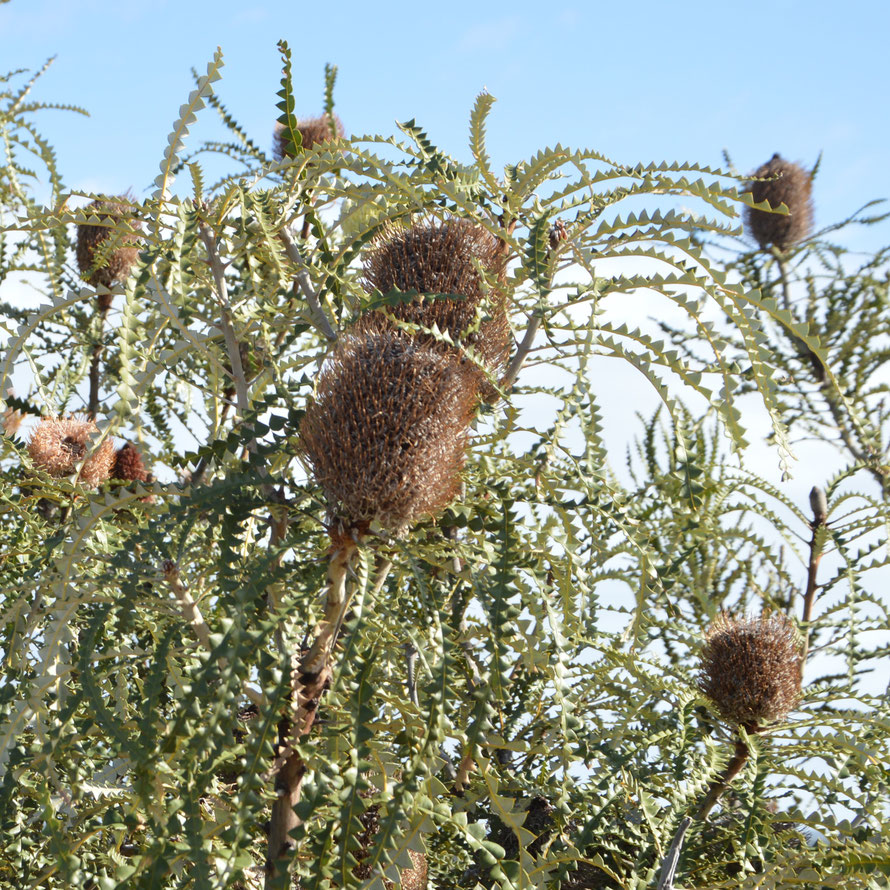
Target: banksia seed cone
pixel 793 189
pixel 58 445
pixel 128 465
pixel 314 130
pixel 386 432
pixel 750 669
pixel 90 239
pixel 441 258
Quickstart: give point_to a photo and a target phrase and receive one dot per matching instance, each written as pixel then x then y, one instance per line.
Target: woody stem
pixel 715 790
pixel 809 596
pixel 719 785
pixel 311 677
pixel 96 367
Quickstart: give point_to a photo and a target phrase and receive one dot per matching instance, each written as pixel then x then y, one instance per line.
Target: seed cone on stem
pixel 59 444
pixel 313 130
pixel 129 465
pixel 116 264
pixel 790 185
pixel 433 257
pixel 386 432
pixel 750 669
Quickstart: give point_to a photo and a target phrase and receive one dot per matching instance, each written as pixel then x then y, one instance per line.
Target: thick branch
pixel 715 790
pixel 96 366
pixel 311 675
pixel 522 351
pixel 669 865
pixel 719 785
pixel 293 253
pixel 817 501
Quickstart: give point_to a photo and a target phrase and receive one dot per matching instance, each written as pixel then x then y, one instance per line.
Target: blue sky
pixel 638 81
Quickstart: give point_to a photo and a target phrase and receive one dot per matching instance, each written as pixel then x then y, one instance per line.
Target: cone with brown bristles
pixel 313 130
pixel 59 444
pixel 780 182
pixel 104 264
pixel 751 669
pixel 129 465
pixel 455 257
pixel 386 432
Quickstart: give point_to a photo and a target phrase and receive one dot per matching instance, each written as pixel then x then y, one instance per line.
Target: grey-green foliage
pixel 556 608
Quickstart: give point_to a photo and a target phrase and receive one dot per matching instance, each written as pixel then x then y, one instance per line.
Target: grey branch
pixel 522 351
pixel 294 255
pixel 669 866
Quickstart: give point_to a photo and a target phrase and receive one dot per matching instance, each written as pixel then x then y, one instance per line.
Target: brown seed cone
pixel 58 445
pixel 314 131
pixel 750 669
pixel 128 464
pixel 441 258
pixel 793 188
pixel 90 239
pixel 386 432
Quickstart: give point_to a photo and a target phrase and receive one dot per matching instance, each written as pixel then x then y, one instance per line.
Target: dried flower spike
pixel 386 432
pixel 444 258
pixel 58 445
pixel 116 265
pixel 313 130
pixel 750 669
pixel 793 188
pixel 128 464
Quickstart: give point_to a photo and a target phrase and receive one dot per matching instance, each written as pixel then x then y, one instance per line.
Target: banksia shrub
pixel 751 669
pixel 58 445
pixel 128 465
pixel 386 432
pixel 444 258
pixel 313 130
pixel 116 264
pixel 792 188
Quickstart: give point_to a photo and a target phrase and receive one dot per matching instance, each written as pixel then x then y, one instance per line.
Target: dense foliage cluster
pixel 319 569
